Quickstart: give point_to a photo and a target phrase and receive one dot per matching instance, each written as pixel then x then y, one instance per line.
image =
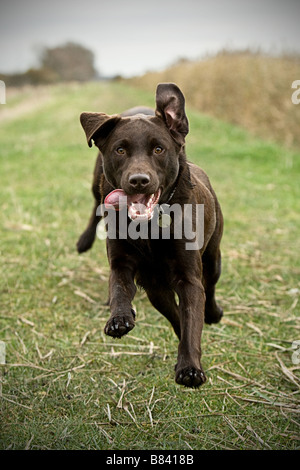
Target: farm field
pixel 65 385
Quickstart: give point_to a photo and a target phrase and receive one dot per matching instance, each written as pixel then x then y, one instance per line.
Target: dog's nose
pixel 139 181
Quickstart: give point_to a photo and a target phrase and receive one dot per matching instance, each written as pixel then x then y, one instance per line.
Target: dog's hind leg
pixel 211 261
pixel 87 238
pixel 164 301
pixel 211 273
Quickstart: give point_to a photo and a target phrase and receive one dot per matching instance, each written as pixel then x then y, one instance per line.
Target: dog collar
pixel 171 195
pixel 174 189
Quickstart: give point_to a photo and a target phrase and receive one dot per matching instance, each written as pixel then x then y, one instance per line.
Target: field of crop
pixel 64 384
pixel 249 89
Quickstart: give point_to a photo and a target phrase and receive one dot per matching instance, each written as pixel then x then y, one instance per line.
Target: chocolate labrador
pixel 142 178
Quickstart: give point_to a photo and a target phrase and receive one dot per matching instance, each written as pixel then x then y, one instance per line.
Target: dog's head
pixel 141 153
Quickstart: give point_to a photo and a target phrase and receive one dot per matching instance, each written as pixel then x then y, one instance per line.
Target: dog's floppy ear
pixel 170 107
pixel 97 124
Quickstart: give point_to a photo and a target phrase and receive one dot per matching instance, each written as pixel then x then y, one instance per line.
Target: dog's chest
pixel 157 263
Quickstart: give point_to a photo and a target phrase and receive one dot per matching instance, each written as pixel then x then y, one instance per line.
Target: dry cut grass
pixel 64 383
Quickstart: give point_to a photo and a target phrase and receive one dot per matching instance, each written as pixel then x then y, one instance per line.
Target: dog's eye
pixel 158 150
pixel 121 151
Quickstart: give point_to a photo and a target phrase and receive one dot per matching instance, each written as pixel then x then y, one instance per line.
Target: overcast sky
pixel 129 37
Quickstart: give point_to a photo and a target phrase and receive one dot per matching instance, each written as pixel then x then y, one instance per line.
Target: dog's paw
pixel 213 315
pixel 190 377
pixel 119 325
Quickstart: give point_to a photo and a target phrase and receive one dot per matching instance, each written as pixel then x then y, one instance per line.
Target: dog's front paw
pixel 119 325
pixel 190 377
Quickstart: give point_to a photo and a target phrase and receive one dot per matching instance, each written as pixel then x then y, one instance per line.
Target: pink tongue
pixel 119 199
pixel 116 199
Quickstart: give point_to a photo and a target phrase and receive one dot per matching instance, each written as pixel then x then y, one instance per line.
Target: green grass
pixel 65 384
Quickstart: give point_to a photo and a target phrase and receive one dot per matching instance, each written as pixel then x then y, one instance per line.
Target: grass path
pixel 65 385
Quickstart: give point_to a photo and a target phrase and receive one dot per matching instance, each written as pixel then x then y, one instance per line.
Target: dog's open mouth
pixel 140 206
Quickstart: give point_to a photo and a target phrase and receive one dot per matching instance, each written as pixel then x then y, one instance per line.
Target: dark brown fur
pixel 161 267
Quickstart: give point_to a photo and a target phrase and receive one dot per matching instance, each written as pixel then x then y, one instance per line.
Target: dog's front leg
pixel 191 311
pixel 121 293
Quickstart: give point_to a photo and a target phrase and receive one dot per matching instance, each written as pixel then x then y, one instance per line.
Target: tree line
pixel 63 63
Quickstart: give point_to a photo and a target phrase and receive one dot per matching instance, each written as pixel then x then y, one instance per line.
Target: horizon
pixel 133 38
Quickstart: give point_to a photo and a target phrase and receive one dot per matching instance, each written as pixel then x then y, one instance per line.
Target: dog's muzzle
pixel 140 206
